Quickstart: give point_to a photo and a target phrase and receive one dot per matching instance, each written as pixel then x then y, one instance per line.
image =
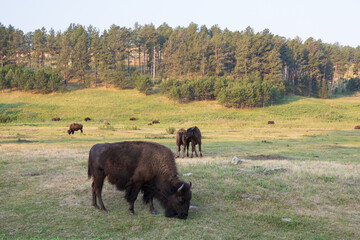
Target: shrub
pixel 170 130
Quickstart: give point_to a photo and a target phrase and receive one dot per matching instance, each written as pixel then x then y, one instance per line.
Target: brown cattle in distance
pixel 75 127
pixel 55 119
pixel 193 135
pixel 181 140
pixel 139 166
pixel 271 122
pixel 155 121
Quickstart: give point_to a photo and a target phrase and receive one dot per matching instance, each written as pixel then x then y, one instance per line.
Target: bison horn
pixel 181 187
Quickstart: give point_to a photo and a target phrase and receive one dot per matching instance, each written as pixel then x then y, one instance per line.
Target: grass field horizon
pixel 45 193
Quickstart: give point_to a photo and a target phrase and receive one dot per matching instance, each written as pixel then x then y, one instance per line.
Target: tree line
pixel 238 68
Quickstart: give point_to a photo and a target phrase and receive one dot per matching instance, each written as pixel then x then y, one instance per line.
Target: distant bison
pixel 139 166
pixel 149 123
pixel 271 122
pixel 181 140
pixel 106 122
pixel 75 127
pixel 155 121
pixel 87 119
pixel 55 119
pixel 357 127
pixel 132 118
pixel 193 135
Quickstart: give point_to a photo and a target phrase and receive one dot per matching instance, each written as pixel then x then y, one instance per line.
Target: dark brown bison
pixel 357 127
pixel 55 119
pixel 106 123
pixel 87 119
pixel 155 121
pixel 75 127
pixel 150 124
pixel 139 166
pixel 181 140
pixel 132 119
pixel 193 135
pixel 271 122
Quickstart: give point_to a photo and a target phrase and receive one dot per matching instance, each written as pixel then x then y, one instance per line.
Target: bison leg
pixel 94 196
pixel 149 196
pixel 200 149
pixel 178 151
pixel 152 209
pixel 131 193
pixel 97 187
pixel 81 130
pixel 193 149
pixel 183 151
pixel 187 149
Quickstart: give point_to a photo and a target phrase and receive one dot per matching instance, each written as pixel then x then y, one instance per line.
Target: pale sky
pixel 329 20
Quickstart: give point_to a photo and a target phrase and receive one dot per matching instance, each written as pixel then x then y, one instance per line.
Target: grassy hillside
pixel 45 193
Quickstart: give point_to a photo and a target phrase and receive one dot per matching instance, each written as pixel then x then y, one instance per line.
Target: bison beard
pixel 139 166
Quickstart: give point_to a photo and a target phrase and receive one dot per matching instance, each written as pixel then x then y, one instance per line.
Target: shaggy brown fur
pixel 139 166
pixel 193 135
pixel 181 140
pixel 75 127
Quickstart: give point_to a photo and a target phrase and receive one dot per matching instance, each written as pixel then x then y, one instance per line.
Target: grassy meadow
pixel 299 179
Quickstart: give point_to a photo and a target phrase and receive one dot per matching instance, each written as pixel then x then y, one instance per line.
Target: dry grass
pixel 45 192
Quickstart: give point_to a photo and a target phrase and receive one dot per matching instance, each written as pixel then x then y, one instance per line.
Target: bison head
pixel 69 131
pixel 179 201
pixel 190 133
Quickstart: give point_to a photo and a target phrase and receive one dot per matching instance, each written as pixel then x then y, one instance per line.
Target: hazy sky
pixel 329 20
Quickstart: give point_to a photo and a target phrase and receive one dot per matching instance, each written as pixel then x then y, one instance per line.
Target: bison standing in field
pixel 193 135
pixel 139 166
pixel 75 127
pixel 181 140
pixel 87 119
pixel 55 119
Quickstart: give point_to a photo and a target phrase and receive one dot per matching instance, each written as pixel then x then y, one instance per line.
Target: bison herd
pixel 145 167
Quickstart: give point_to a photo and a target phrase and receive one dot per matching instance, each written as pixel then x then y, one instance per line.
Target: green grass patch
pixel 45 192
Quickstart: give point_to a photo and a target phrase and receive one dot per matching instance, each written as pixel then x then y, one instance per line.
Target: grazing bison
pixel 193 135
pixel 155 121
pixel 55 119
pixel 106 123
pixel 357 127
pixel 139 166
pixel 132 118
pixel 75 127
pixel 150 124
pixel 87 119
pixel 271 122
pixel 181 140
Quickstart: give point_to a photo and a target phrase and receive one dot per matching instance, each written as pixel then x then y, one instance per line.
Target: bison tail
pixel 89 170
